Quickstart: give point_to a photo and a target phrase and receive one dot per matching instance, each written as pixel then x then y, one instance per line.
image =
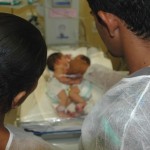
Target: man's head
pixel 23 54
pixel 133 14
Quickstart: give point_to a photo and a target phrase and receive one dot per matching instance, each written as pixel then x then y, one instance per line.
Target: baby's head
pixel 79 64
pixel 84 59
pixel 57 59
pixel 52 59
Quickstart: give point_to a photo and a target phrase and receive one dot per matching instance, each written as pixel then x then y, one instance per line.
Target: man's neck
pixel 136 52
pixel 4 133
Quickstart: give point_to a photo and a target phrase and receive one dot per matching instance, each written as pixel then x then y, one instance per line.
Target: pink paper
pixel 63 12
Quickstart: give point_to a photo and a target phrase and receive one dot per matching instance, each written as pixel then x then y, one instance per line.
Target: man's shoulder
pixel 27 140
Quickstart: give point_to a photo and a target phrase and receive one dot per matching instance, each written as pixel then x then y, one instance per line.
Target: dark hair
pixel 23 54
pixel 85 59
pixel 135 13
pixel 51 60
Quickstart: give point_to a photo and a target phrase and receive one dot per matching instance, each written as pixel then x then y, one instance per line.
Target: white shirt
pixel 21 140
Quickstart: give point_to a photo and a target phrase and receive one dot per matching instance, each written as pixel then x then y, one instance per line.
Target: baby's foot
pixel 61 110
pixel 80 107
pixel 63 115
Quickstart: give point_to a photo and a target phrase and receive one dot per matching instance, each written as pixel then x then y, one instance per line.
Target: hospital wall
pixel 88 31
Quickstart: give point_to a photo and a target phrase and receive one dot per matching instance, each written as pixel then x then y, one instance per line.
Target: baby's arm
pixel 69 79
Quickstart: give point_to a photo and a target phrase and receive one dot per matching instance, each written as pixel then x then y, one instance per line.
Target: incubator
pixel 38 115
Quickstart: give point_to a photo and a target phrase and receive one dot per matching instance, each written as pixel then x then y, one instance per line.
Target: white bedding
pixel 38 107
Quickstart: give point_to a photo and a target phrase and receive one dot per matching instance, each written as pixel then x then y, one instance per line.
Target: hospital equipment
pixel 37 114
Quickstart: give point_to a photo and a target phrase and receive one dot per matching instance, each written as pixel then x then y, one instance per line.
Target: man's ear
pixel 18 99
pixel 111 22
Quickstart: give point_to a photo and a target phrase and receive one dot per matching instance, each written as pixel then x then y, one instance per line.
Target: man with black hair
pixel 23 55
pixel 120 120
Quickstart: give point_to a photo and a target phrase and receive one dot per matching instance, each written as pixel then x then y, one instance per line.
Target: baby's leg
pixel 63 103
pixel 63 98
pixel 76 98
pixel 74 95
